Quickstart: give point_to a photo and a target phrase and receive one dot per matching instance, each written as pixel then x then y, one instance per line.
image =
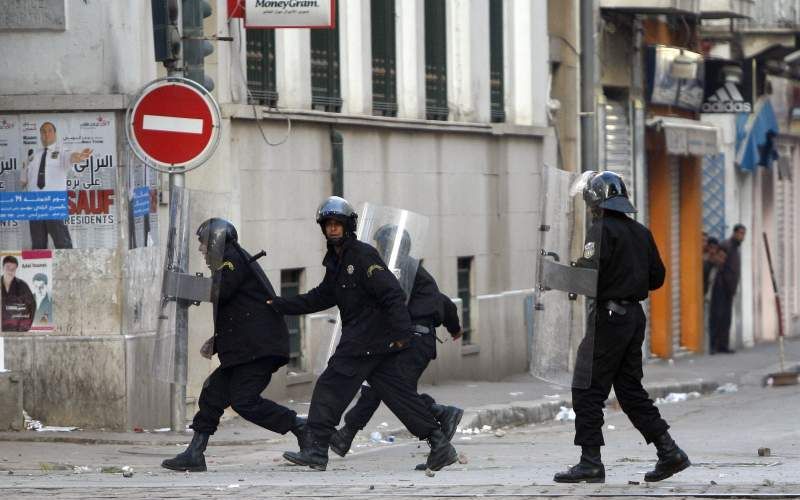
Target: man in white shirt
pixel 46 170
pixel 44 303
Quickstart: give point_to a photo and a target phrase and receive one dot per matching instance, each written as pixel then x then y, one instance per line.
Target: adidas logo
pixel 727 99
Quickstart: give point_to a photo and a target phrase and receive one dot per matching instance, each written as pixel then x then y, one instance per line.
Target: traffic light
pixel 166 36
pixel 195 46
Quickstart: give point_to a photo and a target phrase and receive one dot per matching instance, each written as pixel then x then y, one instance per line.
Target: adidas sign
pixel 727 99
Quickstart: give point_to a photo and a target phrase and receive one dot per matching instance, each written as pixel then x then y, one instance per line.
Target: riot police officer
pixel 375 327
pixel 629 265
pixel 251 340
pixel 429 309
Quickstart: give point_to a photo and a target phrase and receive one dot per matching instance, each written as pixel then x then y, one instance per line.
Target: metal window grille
pixel 384 62
pixel 714 195
pixel 261 67
pixel 435 61
pixel 325 86
pixel 498 113
pixel 464 279
pixel 290 286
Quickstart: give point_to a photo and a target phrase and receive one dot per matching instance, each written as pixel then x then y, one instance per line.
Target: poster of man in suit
pixel 58 181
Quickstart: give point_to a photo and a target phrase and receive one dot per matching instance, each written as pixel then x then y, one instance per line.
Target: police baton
pixel 257 256
pixel 259 273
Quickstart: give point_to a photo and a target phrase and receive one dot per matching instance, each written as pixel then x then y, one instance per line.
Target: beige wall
pixel 564 45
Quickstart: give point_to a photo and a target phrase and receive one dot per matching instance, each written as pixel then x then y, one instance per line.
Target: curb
pixel 521 413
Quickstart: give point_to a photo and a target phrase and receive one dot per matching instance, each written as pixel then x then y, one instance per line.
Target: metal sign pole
pixel 178 180
pixel 155 120
pixel 178 391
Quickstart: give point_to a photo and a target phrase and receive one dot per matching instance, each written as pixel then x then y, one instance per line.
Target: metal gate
pixel 619 145
pixel 675 249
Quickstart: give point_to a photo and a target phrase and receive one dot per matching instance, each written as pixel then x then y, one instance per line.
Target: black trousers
pixel 240 387
pixel 412 363
pixel 339 383
pixel 57 229
pixel 719 322
pixel 617 362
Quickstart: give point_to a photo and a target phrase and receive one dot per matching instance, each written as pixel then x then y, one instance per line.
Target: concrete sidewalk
pixel 518 400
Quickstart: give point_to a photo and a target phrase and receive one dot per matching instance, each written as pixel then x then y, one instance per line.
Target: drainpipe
pixel 638 124
pixel 588 86
pixel 337 163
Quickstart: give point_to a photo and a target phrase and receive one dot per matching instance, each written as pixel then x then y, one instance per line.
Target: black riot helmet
pixel 607 190
pixel 215 234
pixel 338 209
pixel 384 239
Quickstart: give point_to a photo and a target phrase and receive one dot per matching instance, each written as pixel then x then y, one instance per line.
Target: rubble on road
pixel 565 414
pixel 677 397
pixel 728 388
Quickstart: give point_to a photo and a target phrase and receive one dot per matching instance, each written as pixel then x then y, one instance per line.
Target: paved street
pixel 721 432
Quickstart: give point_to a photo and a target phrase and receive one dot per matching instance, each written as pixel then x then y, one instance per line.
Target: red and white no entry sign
pixel 174 124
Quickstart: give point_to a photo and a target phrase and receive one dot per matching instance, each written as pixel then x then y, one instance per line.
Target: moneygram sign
pixel 289 14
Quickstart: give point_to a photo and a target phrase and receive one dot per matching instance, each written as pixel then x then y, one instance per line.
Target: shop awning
pixel 687 137
pixel 756 135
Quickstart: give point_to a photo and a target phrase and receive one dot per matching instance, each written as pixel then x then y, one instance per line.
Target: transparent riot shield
pixel 399 236
pixel 567 270
pixel 191 256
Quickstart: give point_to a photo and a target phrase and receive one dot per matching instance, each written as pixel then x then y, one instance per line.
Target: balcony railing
pixel 771 15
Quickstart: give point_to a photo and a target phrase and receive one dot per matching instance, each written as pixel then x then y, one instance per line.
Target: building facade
pixel 436 106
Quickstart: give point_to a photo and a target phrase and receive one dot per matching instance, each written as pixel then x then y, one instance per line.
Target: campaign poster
pixel 58 181
pixel 26 298
pixel 142 203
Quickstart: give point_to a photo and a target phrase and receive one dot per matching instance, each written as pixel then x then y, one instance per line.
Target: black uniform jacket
pixel 430 307
pixel 371 301
pixel 246 328
pixel 626 257
pixel 727 279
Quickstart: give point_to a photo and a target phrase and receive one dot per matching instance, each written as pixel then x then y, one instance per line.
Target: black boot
pixel 671 459
pixel 589 470
pixel 449 417
pixel 192 459
pixel 342 440
pixel 300 431
pixel 442 452
pixel 315 455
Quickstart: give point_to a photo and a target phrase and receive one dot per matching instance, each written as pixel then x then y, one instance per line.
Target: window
pixel 290 286
pixel 465 294
pixel 261 67
pixel 325 87
pixel 435 61
pixel 498 113
pixel 384 74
